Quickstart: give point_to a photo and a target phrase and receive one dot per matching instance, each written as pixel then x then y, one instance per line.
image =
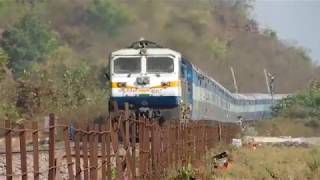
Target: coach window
pixel 160 65
pixel 127 65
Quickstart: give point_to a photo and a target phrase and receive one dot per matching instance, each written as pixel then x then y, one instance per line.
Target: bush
pixel 218 48
pixel 3 63
pixel 105 15
pixel 64 85
pixel 28 41
pixel 313 162
pixel 8 97
pixel 302 105
pixel 186 172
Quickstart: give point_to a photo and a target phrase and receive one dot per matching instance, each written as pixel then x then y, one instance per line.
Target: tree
pixel 105 15
pixel 27 42
pixel 7 90
pixel 304 105
pixel 65 85
pixel 271 33
pixel 3 63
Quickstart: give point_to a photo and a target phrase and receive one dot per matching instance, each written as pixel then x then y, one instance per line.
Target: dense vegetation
pixel 53 53
pixel 304 106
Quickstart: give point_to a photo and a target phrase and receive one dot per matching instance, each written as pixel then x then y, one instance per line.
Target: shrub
pixel 305 104
pixel 3 63
pixel 28 41
pixel 218 48
pixel 105 15
pixel 64 85
pixel 313 163
pixel 186 173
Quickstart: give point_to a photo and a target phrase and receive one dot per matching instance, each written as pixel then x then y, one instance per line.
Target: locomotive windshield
pixel 127 65
pixel 160 65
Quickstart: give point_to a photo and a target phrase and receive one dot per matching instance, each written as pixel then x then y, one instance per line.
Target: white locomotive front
pixel 147 77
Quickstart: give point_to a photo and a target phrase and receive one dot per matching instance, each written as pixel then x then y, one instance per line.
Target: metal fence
pixel 120 148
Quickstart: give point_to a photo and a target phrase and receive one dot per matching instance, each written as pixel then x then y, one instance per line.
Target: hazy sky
pixel 296 21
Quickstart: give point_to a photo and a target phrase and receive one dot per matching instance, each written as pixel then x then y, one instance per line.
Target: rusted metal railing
pixel 124 147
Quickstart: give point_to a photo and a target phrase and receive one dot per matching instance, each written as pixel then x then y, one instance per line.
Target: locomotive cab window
pixel 127 65
pixel 160 65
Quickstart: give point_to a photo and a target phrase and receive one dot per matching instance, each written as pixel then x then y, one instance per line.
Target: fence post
pixel 141 149
pixel 68 153
pixel 127 130
pixel 35 136
pixel 8 137
pixel 103 153
pixel 84 139
pixel 108 127
pixel 133 149
pixel 92 149
pixel 177 145
pixel 153 156
pixel 148 147
pixel 52 168
pixel 124 131
pixel 96 149
pixel 23 152
pixel 171 145
pixel 115 145
pixel 77 151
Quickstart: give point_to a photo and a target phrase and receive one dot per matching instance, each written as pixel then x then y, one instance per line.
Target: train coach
pixel 161 83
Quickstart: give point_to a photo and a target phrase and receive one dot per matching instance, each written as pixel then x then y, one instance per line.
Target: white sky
pixel 295 21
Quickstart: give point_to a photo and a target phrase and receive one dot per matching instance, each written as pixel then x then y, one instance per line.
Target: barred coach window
pixel 160 65
pixel 127 65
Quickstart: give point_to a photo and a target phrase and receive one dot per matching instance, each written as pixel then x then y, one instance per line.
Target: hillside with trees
pixel 54 53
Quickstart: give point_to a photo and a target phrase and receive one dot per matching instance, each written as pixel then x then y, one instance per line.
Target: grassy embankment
pixel 263 163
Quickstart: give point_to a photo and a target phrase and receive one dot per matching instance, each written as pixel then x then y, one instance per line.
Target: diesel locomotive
pixel 161 83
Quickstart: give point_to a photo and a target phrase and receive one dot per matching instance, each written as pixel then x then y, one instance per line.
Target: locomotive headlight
pixel 146 80
pixel 121 84
pixel 165 84
pixel 139 81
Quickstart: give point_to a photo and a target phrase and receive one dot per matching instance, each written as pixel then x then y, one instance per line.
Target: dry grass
pixel 263 163
pixel 285 127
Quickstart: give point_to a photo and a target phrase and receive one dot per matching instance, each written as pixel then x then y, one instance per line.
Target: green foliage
pixel 218 48
pixel 64 80
pixel 3 57
pixel 65 85
pixel 27 42
pixel 3 63
pixel 7 90
pixel 305 104
pixel 8 98
pixel 271 33
pixel 107 16
pixel 302 52
pixel 10 12
pixel 186 172
pixel 313 162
